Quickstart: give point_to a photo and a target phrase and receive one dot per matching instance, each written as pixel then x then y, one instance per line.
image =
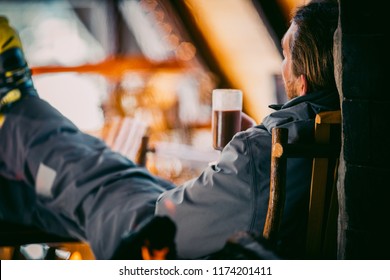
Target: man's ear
pixel 302 88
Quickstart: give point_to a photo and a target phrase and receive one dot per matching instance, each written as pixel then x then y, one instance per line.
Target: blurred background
pixel 120 69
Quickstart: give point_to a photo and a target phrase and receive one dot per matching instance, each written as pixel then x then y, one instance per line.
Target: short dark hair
pixel 312 44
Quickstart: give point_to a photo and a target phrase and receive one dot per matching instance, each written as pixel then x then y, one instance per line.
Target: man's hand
pixel 247 122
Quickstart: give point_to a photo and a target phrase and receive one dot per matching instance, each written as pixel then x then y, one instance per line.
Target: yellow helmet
pixel 9 38
pixel 15 75
pixel 11 52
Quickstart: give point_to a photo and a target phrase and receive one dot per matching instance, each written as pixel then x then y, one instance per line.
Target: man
pixel 233 194
pixel 85 190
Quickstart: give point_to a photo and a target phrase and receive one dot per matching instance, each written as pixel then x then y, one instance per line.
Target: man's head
pixel 14 72
pixel 308 49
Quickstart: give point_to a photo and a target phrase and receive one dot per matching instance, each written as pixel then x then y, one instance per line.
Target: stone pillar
pixel 362 62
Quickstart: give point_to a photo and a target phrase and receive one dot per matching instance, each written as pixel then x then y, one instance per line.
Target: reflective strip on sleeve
pixel 45 180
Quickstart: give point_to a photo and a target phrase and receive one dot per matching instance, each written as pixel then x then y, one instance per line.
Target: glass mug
pixel 226 116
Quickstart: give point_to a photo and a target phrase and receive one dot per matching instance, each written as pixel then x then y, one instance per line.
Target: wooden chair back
pixel 322 218
pixel 128 136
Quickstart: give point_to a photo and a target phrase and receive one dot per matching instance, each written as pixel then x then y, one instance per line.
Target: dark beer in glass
pixel 227 123
pixel 226 118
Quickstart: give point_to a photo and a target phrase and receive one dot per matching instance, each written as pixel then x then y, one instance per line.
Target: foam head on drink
pixel 226 118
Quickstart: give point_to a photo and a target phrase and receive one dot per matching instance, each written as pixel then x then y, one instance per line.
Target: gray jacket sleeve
pixel 210 208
